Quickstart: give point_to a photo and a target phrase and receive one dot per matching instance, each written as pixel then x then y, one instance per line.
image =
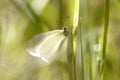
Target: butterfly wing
pixel 48 45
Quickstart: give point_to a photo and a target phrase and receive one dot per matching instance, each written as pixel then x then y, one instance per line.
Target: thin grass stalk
pixel 75 25
pixel 70 57
pixel 81 45
pixel 82 60
pixel 106 25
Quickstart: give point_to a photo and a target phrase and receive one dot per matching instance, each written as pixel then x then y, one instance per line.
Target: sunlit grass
pixel 93 49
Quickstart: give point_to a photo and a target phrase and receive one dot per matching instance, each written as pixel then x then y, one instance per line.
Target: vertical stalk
pixel 82 60
pixel 107 6
pixel 81 46
pixel 70 57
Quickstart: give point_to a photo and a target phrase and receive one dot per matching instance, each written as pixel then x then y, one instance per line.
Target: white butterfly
pixel 49 46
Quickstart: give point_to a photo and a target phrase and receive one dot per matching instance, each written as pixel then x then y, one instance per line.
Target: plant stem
pixel 105 28
pixel 82 59
pixel 107 6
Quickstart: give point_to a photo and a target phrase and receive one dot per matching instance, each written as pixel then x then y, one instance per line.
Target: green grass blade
pixel 105 28
pixel 106 24
pixel 79 49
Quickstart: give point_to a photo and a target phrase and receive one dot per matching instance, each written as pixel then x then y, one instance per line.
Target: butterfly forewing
pixel 47 45
pixel 37 39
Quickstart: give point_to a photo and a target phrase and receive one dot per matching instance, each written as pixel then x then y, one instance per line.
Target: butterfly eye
pixel 65 31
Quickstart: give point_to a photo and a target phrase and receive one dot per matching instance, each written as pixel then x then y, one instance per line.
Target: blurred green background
pixel 20 20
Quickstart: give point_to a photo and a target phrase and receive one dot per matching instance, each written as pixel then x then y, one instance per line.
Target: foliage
pixel 93 46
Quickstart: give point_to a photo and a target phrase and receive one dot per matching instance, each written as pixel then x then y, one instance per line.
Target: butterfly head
pixel 65 31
